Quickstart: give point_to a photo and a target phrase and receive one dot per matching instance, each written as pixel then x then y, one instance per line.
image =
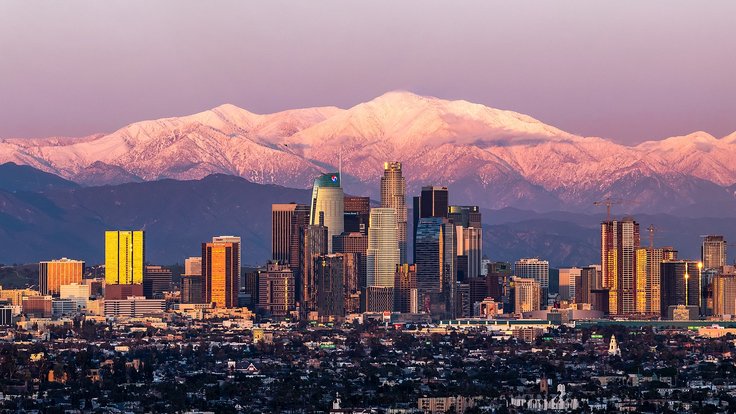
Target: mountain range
pixel 43 217
pixel 490 157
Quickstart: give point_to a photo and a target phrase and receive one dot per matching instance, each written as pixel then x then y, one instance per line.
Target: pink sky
pixel 627 70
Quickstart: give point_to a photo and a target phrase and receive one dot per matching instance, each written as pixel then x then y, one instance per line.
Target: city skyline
pixel 343 207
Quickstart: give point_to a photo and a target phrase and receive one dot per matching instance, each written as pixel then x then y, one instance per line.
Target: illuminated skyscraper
pixel 54 273
pixel 124 257
pixel 393 195
pixel 713 252
pixel 724 295
pixel 231 239
pixel 328 199
pixel 221 272
pixel 648 278
pixel 619 241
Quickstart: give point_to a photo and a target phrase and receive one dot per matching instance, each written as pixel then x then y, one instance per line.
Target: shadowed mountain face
pixel 177 216
pixel 14 178
pixel 489 157
pixel 67 220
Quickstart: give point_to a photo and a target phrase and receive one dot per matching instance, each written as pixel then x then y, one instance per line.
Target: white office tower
pixel 328 202
pixel 383 248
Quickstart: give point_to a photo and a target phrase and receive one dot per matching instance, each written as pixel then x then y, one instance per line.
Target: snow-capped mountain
pixel 487 156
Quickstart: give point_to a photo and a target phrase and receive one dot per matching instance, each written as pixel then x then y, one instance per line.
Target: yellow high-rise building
pixel 124 257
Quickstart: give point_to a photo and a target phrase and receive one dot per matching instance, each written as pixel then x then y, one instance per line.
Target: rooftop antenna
pixel 651 230
pixel 339 167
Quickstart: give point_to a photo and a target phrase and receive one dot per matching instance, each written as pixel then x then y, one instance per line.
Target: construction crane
pixel 608 202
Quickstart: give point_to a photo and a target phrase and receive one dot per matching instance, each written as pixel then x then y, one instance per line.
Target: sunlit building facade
pixel 55 273
pixel 221 273
pixel 393 195
pixel 124 257
pixel 619 242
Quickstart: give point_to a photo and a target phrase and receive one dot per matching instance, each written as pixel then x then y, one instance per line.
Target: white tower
pixel 613 349
pixel 383 248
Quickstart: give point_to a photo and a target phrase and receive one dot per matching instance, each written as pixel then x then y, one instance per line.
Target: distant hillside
pixel 14 177
pixel 177 217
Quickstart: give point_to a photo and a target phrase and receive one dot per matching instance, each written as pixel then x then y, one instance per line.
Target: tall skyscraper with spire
pixel 393 195
pixel 619 242
pixel 328 199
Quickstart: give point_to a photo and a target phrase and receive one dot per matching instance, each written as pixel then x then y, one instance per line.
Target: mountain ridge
pixel 491 157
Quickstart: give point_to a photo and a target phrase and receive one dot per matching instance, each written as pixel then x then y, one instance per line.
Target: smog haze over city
pixel 367 207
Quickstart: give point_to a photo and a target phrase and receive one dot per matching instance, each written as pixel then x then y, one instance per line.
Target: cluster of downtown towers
pixel 636 280
pixel 342 256
pixel 337 256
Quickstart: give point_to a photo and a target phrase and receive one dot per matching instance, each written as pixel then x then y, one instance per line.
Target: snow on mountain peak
pixel 451 142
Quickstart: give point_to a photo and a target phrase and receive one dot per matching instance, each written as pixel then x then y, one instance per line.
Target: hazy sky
pixel 627 70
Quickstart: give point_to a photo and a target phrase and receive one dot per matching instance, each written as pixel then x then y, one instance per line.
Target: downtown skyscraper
pixel 393 195
pixel 286 222
pixel 680 285
pixel 436 265
pixel 432 202
pixel 619 242
pixel 382 257
pixel 328 204
pixel 648 285
pixel 537 270
pixel 467 220
pixel 713 252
